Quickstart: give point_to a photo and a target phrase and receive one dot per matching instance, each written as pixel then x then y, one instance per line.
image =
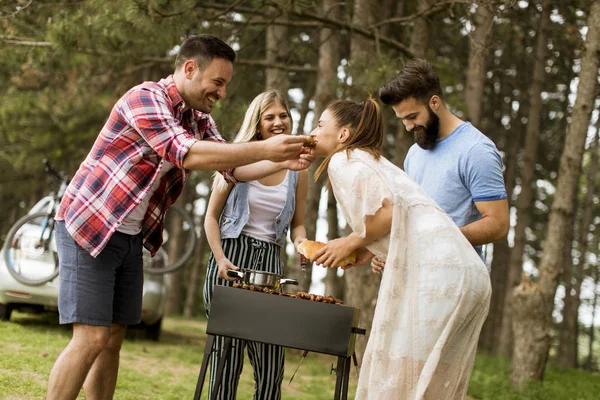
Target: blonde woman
pixel 246 227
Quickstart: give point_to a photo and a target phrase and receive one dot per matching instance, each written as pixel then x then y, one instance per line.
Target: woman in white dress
pixel 435 290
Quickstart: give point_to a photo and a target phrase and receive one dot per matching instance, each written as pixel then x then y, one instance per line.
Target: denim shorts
pixel 103 290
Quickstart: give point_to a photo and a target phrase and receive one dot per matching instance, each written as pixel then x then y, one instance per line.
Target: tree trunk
pixel 531 338
pixel 309 92
pixel 419 41
pixel 334 284
pixel 478 54
pixel 330 57
pixel 310 223
pixel 590 357
pixel 527 177
pixel 277 52
pixel 326 84
pixel 419 38
pixel 567 351
pixel 397 8
pixel 490 333
pixel 175 292
pixel 197 271
pixel 475 82
pixel 567 265
pixel 562 207
pixel 174 300
pixel 404 139
pixel 361 284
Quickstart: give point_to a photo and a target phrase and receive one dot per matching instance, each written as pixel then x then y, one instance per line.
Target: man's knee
pixel 115 340
pixel 91 338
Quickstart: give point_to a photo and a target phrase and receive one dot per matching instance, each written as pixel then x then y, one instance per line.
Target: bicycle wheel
pixel 30 250
pixel 180 239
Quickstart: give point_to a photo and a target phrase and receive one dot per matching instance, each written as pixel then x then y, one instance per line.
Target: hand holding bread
pixel 309 249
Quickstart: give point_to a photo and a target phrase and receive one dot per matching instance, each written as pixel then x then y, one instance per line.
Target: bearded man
pixel 455 164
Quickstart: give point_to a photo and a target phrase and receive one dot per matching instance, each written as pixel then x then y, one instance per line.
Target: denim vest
pixel 237 210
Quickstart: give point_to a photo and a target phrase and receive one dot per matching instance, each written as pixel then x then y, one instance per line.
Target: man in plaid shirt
pixel 116 203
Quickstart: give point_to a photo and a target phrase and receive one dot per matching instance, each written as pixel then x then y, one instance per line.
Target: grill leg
pixel 210 339
pixel 346 378
pixel 221 366
pixel 339 372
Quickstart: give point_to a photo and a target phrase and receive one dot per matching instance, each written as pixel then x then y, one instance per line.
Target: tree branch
pixel 260 63
pixel 263 63
pixel 300 24
pixel 228 9
pixel 169 60
pixel 19 42
pixel 18 10
pixel 369 33
pixel 433 9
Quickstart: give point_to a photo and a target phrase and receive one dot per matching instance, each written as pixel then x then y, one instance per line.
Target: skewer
pixel 298 366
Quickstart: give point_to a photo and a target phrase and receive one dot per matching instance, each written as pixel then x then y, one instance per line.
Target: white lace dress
pixel 435 290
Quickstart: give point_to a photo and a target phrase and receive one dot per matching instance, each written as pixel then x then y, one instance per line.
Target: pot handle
pixel 235 274
pixel 288 281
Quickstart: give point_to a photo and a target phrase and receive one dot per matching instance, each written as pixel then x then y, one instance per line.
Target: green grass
pixel 491 376
pixel 168 369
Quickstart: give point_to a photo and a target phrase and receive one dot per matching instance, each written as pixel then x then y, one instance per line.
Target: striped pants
pixel 267 360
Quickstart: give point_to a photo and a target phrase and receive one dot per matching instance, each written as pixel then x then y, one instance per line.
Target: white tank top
pixel 133 223
pixel 266 203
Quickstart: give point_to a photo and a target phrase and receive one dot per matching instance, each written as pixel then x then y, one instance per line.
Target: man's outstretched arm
pixel 207 155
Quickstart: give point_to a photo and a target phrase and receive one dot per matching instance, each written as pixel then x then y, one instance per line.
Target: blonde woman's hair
pixel 249 130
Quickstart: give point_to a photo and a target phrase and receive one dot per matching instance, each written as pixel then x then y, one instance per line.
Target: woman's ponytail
pixel 364 122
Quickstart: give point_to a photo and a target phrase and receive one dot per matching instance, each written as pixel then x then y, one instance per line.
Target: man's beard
pixel 427 139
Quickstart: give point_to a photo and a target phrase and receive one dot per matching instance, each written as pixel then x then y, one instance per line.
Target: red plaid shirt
pixel 145 126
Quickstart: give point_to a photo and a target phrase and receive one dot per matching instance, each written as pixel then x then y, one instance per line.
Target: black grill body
pixel 285 321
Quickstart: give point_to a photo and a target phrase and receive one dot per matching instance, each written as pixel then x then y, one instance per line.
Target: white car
pixel 15 295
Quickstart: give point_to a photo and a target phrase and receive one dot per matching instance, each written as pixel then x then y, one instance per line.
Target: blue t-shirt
pixel 464 167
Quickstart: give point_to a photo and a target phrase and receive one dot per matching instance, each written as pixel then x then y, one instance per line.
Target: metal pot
pixel 261 279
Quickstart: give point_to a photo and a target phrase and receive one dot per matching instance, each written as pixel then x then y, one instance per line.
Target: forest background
pixel 524 72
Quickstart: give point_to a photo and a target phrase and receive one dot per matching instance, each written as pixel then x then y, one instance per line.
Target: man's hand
pixel 363 256
pixel 224 265
pixel 377 265
pixel 283 147
pixel 302 162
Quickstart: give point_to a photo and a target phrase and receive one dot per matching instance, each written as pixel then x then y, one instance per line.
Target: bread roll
pixel 308 248
pixel 310 141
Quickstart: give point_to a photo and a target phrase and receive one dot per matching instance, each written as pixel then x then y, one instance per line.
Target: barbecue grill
pixel 285 321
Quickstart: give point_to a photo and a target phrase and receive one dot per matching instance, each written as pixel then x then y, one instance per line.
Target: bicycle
pixel 30 250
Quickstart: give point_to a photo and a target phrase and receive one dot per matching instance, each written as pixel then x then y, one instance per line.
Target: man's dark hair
pixel 202 49
pixel 417 79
